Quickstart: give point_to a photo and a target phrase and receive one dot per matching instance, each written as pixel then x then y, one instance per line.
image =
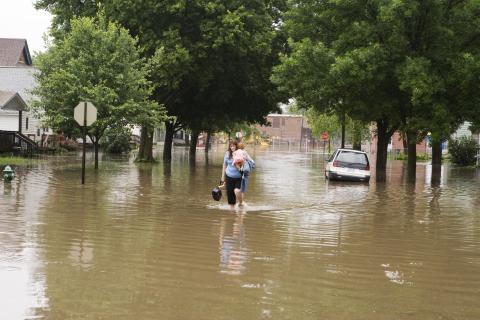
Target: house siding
pixel 8 121
pixel 21 80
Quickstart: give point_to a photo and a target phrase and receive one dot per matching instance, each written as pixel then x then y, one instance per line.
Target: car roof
pixel 350 150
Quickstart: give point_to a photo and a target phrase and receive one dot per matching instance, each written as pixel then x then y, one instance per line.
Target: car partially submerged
pixel 348 164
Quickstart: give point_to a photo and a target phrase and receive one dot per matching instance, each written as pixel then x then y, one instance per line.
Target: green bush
pixel 463 151
pixel 116 140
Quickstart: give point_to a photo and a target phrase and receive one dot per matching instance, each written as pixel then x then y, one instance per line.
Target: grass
pixel 403 156
pixel 16 161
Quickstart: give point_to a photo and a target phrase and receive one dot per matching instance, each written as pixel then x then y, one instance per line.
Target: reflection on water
pixel 232 245
pixel 140 241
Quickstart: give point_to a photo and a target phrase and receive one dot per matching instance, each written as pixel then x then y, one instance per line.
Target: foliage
pixel 249 132
pixel 64 11
pixel 97 61
pixel 321 122
pixel 116 140
pixel 208 58
pixel 409 64
pixel 475 127
pixel 463 150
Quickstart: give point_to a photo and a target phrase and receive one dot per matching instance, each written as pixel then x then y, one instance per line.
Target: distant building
pixel 463 131
pixel 397 144
pixel 290 128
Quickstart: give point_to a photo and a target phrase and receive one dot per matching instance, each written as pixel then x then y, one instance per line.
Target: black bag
pixel 216 194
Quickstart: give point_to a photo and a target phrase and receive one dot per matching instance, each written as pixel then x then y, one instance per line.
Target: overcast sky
pixel 19 19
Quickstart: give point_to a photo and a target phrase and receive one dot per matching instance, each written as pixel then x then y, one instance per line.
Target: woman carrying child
pixel 233 173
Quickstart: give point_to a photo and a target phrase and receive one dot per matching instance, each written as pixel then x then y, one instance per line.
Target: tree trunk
pixel 145 151
pixel 405 146
pixel 343 130
pixel 168 142
pixel 193 144
pixel 436 163
pixel 437 152
pixel 357 136
pixel 383 136
pixel 143 141
pixel 436 177
pixel 207 141
pixel 412 156
pixel 95 146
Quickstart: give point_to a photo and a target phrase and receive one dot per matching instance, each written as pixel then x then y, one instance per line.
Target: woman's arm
pixel 224 167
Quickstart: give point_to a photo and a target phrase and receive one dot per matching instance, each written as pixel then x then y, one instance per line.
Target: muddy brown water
pixel 148 242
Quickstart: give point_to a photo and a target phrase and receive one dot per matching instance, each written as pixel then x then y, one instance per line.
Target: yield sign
pixel 85 110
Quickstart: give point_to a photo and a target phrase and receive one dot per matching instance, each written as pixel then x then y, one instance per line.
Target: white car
pixel 348 164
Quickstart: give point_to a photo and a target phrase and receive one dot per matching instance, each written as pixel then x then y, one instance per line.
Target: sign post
pixel 324 138
pixel 85 113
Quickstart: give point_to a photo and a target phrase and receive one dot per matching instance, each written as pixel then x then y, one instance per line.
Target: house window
pixel 26 123
pixel 276 123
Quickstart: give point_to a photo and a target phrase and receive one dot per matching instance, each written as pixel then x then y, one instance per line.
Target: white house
pixel 11 107
pixel 16 76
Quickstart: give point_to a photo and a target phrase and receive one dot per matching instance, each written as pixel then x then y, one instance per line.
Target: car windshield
pixel 348 159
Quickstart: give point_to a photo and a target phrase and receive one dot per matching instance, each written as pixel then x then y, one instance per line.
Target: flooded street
pixel 148 242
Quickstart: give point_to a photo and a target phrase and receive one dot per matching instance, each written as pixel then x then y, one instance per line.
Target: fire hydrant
pixel 8 173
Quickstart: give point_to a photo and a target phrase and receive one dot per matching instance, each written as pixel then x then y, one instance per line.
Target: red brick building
pixel 397 146
pixel 290 128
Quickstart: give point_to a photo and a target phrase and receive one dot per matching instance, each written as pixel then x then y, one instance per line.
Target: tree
pixel 225 50
pixel 321 122
pixel 210 57
pixel 396 63
pixel 96 61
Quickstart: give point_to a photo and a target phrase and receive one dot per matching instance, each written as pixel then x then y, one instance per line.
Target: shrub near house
pixel 463 150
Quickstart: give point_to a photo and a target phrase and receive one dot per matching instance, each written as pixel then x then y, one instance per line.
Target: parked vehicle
pixel 348 164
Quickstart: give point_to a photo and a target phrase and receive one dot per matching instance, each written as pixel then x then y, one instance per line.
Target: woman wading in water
pixel 233 173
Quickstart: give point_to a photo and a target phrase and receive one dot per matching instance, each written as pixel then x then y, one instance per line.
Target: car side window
pixel 332 156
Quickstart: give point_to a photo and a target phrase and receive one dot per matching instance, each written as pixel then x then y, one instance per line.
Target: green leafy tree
pixel 116 140
pixel 401 64
pixel 322 122
pixel 211 60
pixel 97 61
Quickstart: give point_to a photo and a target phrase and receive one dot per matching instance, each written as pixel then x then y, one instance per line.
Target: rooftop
pixel 14 53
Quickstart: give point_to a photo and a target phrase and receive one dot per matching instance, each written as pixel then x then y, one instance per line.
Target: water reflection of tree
pixel 232 246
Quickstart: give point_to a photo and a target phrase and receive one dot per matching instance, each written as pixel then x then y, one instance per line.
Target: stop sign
pixel 325 136
pixel 85 113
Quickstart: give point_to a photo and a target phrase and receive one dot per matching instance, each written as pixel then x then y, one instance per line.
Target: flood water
pixel 148 242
